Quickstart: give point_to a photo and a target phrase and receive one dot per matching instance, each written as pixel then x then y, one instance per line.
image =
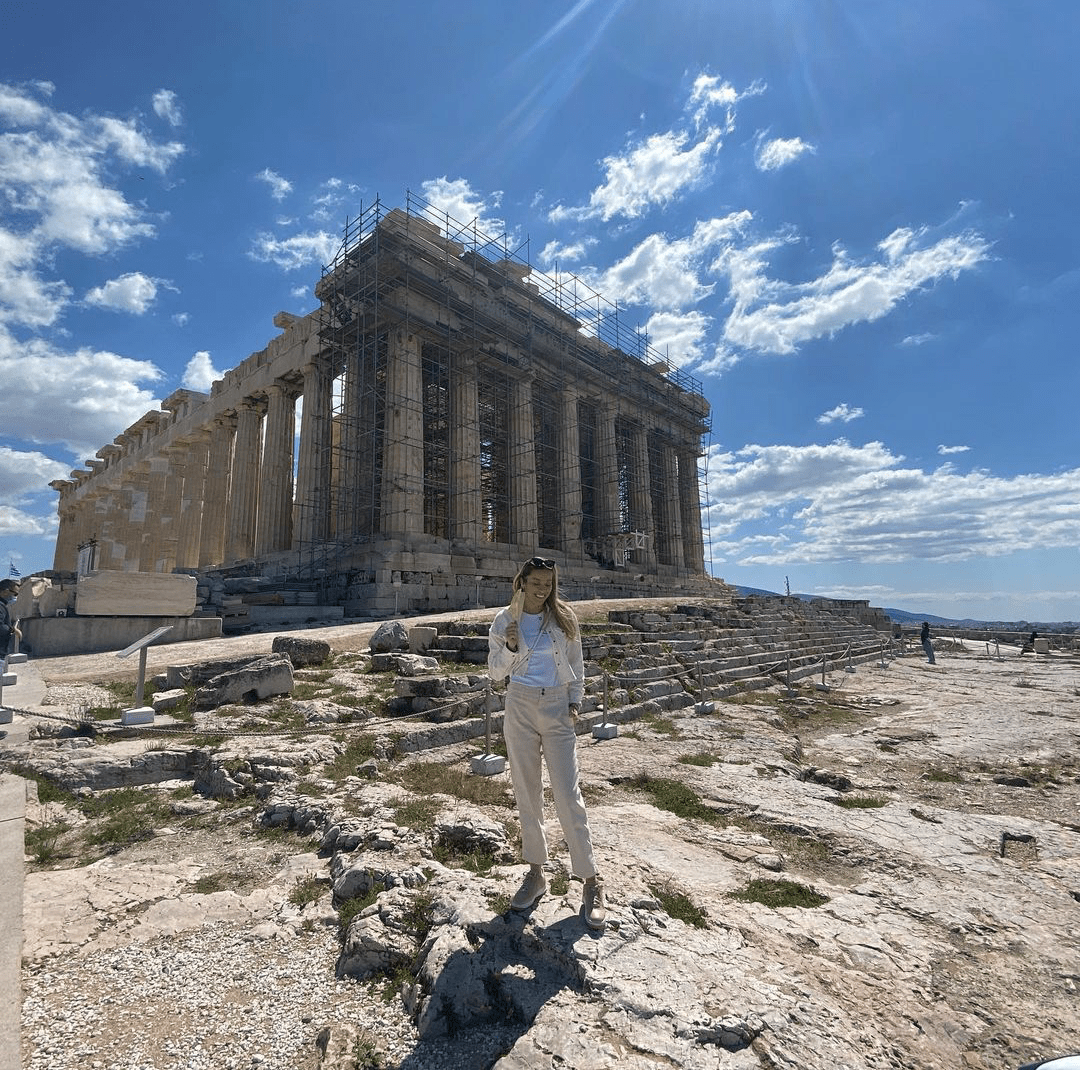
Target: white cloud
pixel 843 412
pixel 678 337
pixel 330 204
pixel 14 520
pixel 776 317
pixel 845 503
pixel 314 247
pixel 722 360
pixel 280 187
pixel 81 398
pixel 134 293
pixel 667 274
pixel 946 450
pixel 918 339
pixel 167 107
pixel 656 169
pixel 556 252
pixel 779 152
pixel 25 472
pixel 457 199
pixel 651 173
pixel 711 92
pixel 53 169
pixel 181 319
pixel 200 373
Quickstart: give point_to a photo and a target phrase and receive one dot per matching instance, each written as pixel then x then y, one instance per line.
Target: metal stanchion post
pixel 487 764
pixel 605 730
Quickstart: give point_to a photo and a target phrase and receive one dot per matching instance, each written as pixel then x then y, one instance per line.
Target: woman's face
pixel 537 586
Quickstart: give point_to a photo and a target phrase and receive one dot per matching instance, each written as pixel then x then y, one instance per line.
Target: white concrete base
pixel 7 715
pixel 8 679
pixel 702 709
pixel 16 659
pixel 488 764
pixel 605 731
pixel 138 715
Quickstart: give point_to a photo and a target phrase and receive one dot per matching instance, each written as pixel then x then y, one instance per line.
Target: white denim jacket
pixel 569 660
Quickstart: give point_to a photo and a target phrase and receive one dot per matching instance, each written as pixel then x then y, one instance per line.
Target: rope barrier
pixel 683 674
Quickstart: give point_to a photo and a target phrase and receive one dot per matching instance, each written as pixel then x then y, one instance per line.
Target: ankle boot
pixel 593 904
pixel 532 889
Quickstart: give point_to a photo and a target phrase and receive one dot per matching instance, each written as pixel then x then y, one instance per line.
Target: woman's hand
pixel 575 711
pixel 512 636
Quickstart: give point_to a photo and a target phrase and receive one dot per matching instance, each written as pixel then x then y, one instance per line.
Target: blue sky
pixel 855 223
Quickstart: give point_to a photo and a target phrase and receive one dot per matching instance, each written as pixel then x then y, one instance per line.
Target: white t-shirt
pixel 540 669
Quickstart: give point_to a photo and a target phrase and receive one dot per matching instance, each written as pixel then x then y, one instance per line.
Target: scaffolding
pixel 511 384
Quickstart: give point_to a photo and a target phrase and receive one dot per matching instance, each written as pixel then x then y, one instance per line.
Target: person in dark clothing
pixel 927 646
pixel 8 590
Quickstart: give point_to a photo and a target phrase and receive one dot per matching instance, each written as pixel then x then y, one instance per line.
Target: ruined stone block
pixel 253 682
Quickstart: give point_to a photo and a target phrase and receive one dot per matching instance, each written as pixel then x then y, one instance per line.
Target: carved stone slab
pixel 135 594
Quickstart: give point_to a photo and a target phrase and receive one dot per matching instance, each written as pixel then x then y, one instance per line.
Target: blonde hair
pixel 553 604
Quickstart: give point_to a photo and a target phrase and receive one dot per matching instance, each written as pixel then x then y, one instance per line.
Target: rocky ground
pixel 885 873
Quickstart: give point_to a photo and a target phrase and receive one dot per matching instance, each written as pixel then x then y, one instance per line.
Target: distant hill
pixel 903 616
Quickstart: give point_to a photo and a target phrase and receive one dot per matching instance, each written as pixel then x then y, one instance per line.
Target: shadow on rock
pixel 498 972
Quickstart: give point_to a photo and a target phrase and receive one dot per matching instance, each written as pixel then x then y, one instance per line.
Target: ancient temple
pixel 459 410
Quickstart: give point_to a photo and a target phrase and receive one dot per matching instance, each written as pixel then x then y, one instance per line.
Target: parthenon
pixel 458 410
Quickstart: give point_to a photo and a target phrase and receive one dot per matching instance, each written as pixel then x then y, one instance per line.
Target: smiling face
pixel 537 586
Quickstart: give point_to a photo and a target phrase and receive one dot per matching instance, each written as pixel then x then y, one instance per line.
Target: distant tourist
pixel 1030 644
pixel 8 632
pixel 927 646
pixel 536 643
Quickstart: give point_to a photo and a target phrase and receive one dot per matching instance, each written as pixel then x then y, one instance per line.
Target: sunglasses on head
pixel 541 562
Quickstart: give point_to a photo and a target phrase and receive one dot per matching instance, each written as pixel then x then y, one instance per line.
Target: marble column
pixel 522 458
pixel 671 553
pixel 465 499
pixel 690 509
pixel 569 471
pixel 151 542
pixel 189 530
pixel 274 527
pixel 244 496
pixel 135 492
pixel 65 552
pixel 313 473
pixel 217 493
pixel 172 506
pixel 641 516
pixel 608 518
pixel 403 459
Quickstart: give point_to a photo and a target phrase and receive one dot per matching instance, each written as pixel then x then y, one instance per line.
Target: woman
pixel 536 643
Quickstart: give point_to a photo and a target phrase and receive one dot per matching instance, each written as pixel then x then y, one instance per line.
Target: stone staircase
pixel 699 651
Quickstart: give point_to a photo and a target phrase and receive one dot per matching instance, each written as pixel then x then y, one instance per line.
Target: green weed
pixel 43 841
pixel 356 905
pixel 942 776
pixel 436 778
pixel 777 893
pixel 365 1055
pixel 416 813
pixel 702 758
pixel 680 906
pixel 859 802
pixel 673 796
pixel 306 890
pixel 357 751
